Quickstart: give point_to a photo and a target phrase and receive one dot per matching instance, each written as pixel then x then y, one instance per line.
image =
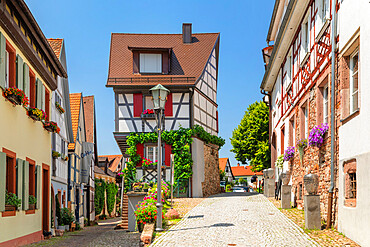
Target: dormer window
pixel 150 63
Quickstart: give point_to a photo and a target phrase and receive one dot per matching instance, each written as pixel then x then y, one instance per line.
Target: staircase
pixel 124 224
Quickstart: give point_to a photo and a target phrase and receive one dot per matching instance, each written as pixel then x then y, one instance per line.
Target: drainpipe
pixel 332 117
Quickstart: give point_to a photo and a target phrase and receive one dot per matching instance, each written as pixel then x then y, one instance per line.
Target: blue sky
pixel 86 26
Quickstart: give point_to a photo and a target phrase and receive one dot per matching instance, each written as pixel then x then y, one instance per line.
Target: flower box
pixel 10 208
pixel 32 207
pixel 16 96
pixel 51 127
pixel 36 114
pixel 59 108
pixel 148 116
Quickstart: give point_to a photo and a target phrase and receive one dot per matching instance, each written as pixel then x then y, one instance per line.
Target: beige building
pixel 28 64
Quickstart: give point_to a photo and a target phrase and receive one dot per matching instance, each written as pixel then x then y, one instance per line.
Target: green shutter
pixel 26 184
pixel 38 186
pixel 20 72
pixel 2 61
pixel 2 180
pixel 20 181
pixel 26 80
pixel 43 97
pixel 38 93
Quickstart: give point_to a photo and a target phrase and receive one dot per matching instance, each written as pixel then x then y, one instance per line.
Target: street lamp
pixel 159 97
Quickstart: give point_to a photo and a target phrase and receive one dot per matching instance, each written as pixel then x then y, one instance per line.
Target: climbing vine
pixel 112 190
pixel 99 199
pixel 180 140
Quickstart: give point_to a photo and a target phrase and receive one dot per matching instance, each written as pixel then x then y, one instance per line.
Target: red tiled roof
pixel 75 102
pixel 222 163
pixel 243 171
pixel 88 103
pixel 56 45
pixel 113 161
pixel 187 60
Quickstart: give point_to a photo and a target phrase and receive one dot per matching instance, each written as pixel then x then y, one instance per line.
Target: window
pixel 350 183
pixel 306 122
pixel 354 82
pixel 291 132
pixel 10 69
pixel 32 177
pixel 148 102
pixel 32 89
pixel 324 10
pixel 10 171
pixel 7 69
pixel 151 153
pixel 305 36
pixel 150 63
pixel 282 135
pixel 289 70
pixel 326 104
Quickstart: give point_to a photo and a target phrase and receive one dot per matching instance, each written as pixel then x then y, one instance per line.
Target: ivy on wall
pixel 100 187
pixel 112 190
pixel 180 140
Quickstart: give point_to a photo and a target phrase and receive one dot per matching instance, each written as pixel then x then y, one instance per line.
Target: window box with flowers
pixel 316 137
pixel 51 126
pixel 64 157
pixel 148 114
pixel 12 202
pixel 148 164
pixel 289 153
pixel 55 154
pixel 16 96
pixel 32 202
pixel 59 108
pixel 36 114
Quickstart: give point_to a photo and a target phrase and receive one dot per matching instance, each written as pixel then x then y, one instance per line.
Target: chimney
pixel 186 32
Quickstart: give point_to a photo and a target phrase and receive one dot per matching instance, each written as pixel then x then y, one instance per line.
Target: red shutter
pixel 168 111
pixel 167 155
pixel 138 104
pixel 140 151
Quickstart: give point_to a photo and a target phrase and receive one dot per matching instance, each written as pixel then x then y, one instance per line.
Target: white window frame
pixel 6 69
pixel 325 93
pixel 145 57
pixel 352 74
pixel 154 153
pixel 289 72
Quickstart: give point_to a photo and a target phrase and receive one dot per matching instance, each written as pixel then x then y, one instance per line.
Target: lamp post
pixel 159 97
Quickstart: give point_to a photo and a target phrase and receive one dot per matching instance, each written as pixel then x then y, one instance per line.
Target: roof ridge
pixel 160 33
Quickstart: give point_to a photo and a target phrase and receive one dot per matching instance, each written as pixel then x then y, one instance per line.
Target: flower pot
pixel 32 207
pixel 301 153
pixel 285 177
pixel 67 228
pixel 140 227
pixel 33 116
pixel 10 208
pixel 311 183
pixel 14 99
pixel 49 128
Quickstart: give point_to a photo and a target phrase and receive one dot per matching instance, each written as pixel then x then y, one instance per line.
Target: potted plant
pixel 147 163
pixel 51 126
pixel 148 113
pixel 32 202
pixel 145 214
pixel 68 217
pixel 12 202
pixel 16 96
pixel 302 144
pixel 289 153
pixel 59 107
pixel 316 137
pixel 36 114
pixel 55 154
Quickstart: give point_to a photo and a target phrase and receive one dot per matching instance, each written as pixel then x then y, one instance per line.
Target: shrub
pixel 67 216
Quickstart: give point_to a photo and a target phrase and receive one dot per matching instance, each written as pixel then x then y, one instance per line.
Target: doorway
pixel 45 197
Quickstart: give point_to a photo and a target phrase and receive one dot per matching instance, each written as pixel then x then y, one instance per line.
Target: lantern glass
pixel 159 96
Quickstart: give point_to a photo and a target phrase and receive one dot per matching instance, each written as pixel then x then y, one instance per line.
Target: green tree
pixel 250 138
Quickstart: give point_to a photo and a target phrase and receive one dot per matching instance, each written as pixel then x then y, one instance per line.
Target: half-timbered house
pixel 297 81
pixel 184 63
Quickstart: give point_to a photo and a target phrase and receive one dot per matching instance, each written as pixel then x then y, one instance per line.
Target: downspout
pixel 332 116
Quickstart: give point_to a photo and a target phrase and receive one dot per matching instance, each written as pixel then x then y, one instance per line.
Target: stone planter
pixel 311 183
pixel 285 177
pixel 270 173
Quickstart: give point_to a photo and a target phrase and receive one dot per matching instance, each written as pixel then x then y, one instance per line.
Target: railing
pixel 150 80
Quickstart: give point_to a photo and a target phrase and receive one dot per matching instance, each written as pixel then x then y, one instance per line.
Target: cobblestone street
pixel 235 219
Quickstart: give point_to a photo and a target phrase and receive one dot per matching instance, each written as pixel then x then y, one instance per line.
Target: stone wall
pixel 211 183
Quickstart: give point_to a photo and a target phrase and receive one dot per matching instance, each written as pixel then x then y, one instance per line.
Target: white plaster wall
pixel 354 135
pixel 197 154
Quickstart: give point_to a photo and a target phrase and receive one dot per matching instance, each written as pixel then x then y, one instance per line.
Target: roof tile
pixel 56 45
pixel 75 102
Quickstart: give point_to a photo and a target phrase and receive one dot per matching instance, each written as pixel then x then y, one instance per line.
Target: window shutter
pixel 2 61
pixel 26 80
pixel 168 108
pixel 135 62
pixel 26 184
pixel 167 155
pixel 43 103
pixel 140 151
pixel 20 181
pixel 138 104
pixel 20 73
pixel 38 93
pixel 38 186
pixel 2 180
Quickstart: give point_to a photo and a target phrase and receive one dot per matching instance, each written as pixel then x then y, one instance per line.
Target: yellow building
pixel 27 63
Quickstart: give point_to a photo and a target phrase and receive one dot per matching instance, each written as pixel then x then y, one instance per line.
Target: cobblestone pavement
pixel 235 219
pixel 95 236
